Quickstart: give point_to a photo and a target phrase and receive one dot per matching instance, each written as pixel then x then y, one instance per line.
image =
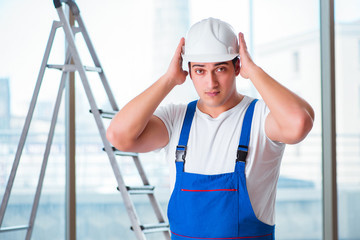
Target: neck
pixel 215 111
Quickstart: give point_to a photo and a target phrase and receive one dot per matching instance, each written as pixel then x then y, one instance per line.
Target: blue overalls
pixel 214 206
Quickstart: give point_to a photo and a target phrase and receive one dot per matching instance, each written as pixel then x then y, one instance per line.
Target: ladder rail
pixel 28 119
pixel 46 153
pixel 155 204
pixel 75 55
pixel 145 181
pixel 97 62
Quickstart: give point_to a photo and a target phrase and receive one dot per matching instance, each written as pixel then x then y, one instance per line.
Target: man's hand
pixel 246 63
pixel 175 72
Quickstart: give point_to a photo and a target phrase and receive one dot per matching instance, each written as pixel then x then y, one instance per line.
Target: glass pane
pixel 136 50
pixel 347 55
pixel 135 41
pixel 286 45
pixel 25 29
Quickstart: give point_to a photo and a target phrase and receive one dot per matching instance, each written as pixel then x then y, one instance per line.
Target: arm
pixel 291 117
pixel 134 128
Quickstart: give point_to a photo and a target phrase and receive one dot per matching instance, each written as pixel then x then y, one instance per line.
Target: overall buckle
pixel 241 153
pixel 180 153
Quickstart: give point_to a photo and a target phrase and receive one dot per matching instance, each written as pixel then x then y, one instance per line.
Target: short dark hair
pixel 235 59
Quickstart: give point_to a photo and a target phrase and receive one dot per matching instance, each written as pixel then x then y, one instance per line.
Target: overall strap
pixel 185 131
pixel 245 133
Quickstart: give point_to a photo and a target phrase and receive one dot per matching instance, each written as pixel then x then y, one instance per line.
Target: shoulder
pixel 261 109
pixel 170 111
pixel 171 115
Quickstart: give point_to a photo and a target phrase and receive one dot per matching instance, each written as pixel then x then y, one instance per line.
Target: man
pixel 228 146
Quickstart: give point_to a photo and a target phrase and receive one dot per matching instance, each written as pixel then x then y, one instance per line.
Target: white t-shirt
pixel 212 149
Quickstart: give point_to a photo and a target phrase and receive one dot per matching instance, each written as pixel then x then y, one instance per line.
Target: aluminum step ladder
pixel 73 63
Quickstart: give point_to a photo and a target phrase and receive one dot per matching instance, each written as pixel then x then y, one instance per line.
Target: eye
pixel 199 71
pixel 220 69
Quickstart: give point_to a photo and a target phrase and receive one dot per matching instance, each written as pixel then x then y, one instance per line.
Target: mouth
pixel 212 93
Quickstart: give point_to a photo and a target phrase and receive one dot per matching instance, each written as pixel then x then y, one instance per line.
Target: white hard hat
pixel 210 40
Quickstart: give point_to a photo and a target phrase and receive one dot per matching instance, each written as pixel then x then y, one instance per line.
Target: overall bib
pixel 214 206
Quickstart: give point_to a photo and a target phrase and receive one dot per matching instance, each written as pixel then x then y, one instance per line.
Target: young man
pixel 228 146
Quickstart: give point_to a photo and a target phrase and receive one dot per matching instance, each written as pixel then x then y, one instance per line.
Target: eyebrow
pixel 217 64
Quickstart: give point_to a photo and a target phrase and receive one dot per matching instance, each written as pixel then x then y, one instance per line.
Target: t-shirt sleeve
pixel 171 115
pixel 264 111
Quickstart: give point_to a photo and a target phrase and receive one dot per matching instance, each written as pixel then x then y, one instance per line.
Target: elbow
pixel 118 140
pixel 301 126
pixel 110 135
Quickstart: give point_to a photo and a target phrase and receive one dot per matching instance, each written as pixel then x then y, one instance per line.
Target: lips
pixel 212 94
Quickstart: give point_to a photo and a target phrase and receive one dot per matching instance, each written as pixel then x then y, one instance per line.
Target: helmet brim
pixel 209 58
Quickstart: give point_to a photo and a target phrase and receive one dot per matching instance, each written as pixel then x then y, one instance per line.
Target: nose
pixel 212 81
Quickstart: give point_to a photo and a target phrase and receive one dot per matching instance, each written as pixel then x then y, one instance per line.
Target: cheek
pixel 197 85
pixel 229 83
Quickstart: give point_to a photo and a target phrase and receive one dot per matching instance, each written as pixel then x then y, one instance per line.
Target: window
pixel 283 33
pixel 359 51
pixel 135 41
pixel 347 34
pixel 22 45
pixel 296 62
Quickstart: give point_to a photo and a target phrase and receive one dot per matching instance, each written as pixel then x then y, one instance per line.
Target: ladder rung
pixel 150 228
pixel 106 114
pixel 124 154
pixel 120 153
pixel 15 228
pixel 147 189
pixel 72 68
pixel 93 69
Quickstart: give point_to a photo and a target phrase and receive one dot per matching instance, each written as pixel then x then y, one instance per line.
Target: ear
pixel 237 67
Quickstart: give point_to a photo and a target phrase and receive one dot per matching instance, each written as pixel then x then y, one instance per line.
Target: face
pixel 215 84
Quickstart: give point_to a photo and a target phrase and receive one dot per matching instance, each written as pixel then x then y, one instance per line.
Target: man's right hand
pixel 134 128
pixel 175 72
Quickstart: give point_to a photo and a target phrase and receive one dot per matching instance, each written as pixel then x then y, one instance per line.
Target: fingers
pixel 179 47
pixel 177 55
pixel 242 43
pixel 175 70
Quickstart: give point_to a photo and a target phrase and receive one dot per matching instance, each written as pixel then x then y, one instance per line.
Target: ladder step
pixel 15 228
pixel 151 228
pixel 136 190
pixel 124 154
pixel 72 68
pixel 120 153
pixel 93 69
pixel 106 114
